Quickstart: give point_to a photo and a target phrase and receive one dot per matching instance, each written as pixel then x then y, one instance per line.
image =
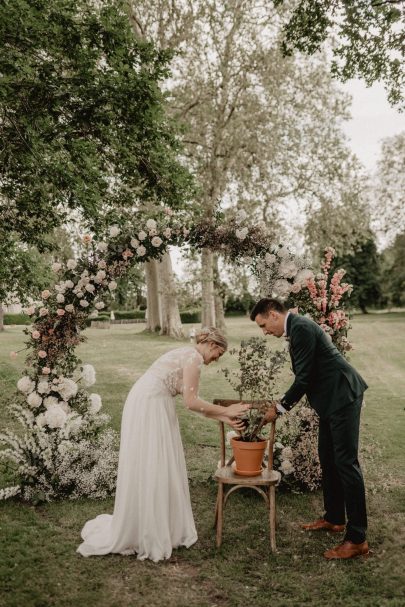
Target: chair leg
pixel 220 513
pixel 272 517
pixel 216 510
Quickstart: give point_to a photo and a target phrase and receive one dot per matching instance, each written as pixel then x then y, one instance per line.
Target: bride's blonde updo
pixel 213 335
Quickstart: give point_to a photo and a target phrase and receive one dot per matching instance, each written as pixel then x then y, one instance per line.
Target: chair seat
pixel 227 475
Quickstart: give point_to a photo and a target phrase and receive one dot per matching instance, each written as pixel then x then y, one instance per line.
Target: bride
pixel 152 511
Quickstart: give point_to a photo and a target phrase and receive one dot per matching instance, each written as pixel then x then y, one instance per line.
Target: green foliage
pixel 393 272
pixel 190 316
pixel 83 119
pixel 369 41
pixel 16 319
pixel 363 272
pixel 128 314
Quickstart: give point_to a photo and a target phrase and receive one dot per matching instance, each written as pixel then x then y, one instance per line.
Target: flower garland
pixel 66 448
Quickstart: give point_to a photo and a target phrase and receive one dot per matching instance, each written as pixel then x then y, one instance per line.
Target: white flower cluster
pixel 281 273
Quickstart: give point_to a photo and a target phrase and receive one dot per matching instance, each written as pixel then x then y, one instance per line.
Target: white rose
pixel 43 311
pixel 88 375
pixel 67 388
pixel 69 284
pixel 50 400
pixel 114 231
pixel 242 233
pixel 99 305
pixel 241 216
pixel 283 252
pixel 25 384
pixel 100 276
pixel 55 417
pixel 96 403
pixel 60 298
pixel 70 308
pixel 282 288
pixel 156 241
pixel 288 269
pixel 287 453
pixel 30 310
pixel 102 246
pixel 40 420
pixel 270 259
pixel 151 224
pixel 90 288
pixel 134 243
pixel 142 235
pixel 112 285
pixel 43 387
pixel 141 251
pixel 167 232
pixel 84 303
pixel 34 400
pixel 56 266
pixel 45 294
pixel 286 467
pixel 71 264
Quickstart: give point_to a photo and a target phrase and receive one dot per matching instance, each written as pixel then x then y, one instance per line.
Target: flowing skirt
pixel 152 511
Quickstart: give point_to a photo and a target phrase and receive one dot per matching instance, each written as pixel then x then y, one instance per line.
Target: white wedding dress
pixel 152 511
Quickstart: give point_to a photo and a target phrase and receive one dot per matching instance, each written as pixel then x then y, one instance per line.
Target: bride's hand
pixel 235 423
pixel 237 409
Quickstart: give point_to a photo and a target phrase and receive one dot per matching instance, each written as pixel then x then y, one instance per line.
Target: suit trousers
pixel 342 479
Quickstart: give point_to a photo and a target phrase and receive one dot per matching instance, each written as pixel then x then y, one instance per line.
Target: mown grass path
pixel 38 563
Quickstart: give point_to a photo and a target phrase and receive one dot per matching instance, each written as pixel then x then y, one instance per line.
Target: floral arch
pixel 67 449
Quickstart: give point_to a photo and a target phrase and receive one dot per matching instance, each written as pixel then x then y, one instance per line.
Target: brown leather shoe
pixel 321 524
pixel 347 550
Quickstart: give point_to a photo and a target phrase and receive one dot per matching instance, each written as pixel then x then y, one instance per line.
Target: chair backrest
pixel 225 403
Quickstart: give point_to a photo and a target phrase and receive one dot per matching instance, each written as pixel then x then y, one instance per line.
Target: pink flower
pixel 46 370
pixel 13 354
pixel 127 253
pixel 36 334
pixel 60 312
pixel 30 310
pixel 102 264
pixel 45 294
pixel 43 311
pixel 86 239
pixel 42 354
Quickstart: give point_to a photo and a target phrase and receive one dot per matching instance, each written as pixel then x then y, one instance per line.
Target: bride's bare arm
pixel 191 382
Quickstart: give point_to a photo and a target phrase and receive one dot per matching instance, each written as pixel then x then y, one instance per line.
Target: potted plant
pixel 255 382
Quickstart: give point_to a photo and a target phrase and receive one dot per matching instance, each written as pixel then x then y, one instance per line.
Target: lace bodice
pixel 169 368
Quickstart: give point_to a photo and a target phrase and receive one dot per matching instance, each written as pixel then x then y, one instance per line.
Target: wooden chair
pixel 264 484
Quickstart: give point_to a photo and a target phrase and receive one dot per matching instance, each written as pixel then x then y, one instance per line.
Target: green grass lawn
pixel 38 563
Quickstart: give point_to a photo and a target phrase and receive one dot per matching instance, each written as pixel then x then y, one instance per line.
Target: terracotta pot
pixel 248 456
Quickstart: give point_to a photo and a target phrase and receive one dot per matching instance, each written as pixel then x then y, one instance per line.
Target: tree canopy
pixel 367 38
pixel 83 122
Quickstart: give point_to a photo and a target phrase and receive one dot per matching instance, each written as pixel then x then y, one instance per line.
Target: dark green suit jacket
pixel 321 372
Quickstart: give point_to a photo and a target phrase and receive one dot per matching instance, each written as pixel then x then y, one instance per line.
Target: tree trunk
pixel 1 318
pixel 207 290
pixel 219 306
pixel 170 315
pixel 153 322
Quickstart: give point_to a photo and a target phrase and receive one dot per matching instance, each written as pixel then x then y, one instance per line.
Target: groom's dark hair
pixel 265 305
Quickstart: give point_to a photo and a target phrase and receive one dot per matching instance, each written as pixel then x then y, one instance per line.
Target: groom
pixel 335 390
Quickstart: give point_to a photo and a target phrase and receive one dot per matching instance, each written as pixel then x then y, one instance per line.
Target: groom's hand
pixel 271 414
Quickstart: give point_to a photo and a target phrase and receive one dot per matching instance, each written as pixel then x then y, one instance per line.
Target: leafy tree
pixel 363 272
pixel 261 131
pixel 367 38
pixel 388 195
pixel 393 272
pixel 83 123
